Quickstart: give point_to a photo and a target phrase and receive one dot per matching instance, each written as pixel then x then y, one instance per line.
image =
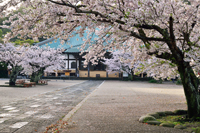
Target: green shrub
pixel 125 79
pixel 179 82
pixel 155 81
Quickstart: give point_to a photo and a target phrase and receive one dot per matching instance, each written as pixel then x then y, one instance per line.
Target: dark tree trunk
pixel 14 73
pixel 190 85
pixel 35 77
pixel 132 74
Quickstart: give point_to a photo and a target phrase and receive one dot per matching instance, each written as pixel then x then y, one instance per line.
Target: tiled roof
pixel 45 41
pixel 72 45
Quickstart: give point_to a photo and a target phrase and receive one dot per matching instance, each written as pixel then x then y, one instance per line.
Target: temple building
pixel 74 61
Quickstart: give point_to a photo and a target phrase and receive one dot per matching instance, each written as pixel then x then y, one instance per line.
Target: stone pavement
pixel 35 113
pixel 116 106
pixel 9 94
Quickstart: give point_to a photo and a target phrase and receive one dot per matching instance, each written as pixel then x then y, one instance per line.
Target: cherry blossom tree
pixel 14 56
pixel 164 29
pixel 158 68
pixel 122 62
pixel 30 60
pixel 43 59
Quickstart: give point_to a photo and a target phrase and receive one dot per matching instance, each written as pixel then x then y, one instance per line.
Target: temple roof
pixel 71 45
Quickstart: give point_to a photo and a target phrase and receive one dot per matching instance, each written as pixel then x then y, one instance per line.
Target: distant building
pixel 74 61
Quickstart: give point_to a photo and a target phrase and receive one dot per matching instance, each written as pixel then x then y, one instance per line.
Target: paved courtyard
pixel 9 94
pixel 27 110
pixel 116 106
pixel 109 106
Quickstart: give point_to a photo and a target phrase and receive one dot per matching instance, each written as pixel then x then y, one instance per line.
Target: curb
pixel 72 112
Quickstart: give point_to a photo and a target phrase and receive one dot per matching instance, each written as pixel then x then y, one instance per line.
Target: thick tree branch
pixel 147 38
pixel 177 53
pixel 146 42
pixel 152 27
pixel 96 13
pixel 166 56
pixel 171 30
pixel 172 44
pixel 58 3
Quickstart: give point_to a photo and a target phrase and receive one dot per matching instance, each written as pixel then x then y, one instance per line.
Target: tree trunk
pixel 190 85
pixel 132 75
pixel 13 76
pixel 35 77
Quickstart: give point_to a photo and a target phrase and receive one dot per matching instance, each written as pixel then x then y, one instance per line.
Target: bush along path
pixel 177 119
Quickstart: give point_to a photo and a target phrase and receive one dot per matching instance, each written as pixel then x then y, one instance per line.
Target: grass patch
pixel 155 81
pixel 178 119
pixel 191 125
pixel 179 82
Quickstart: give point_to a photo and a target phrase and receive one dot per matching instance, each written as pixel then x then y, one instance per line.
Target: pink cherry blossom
pixel 167 30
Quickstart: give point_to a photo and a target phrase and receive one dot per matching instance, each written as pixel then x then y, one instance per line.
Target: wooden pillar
pixel 79 64
pixel 68 61
pixel 88 69
pixel 76 67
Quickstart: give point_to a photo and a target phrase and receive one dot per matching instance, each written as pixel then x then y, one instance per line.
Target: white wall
pixel 70 56
pixel 70 64
pixel 125 74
